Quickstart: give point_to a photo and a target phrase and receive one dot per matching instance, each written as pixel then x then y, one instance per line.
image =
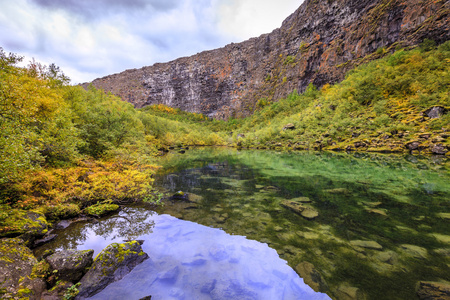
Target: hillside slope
pixel 317 44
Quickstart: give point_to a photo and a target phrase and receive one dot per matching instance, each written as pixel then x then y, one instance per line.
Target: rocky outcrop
pixel 112 264
pixel 317 44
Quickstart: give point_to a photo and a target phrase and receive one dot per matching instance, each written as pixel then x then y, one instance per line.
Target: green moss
pixel 24 292
pixel 40 270
pixel 100 209
pixel 124 252
pixel 61 211
pixel 11 249
pixel 19 221
pixel 71 292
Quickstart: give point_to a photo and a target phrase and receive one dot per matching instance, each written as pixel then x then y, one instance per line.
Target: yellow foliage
pixel 91 181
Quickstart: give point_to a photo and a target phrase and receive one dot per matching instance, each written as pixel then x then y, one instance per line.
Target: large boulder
pixel 70 265
pixel 17 279
pixel 112 264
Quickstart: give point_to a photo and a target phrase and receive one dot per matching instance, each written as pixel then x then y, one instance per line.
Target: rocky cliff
pixel 316 44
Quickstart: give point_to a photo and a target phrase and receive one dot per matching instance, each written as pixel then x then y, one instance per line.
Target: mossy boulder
pixel 17 279
pixel 112 264
pixel 27 225
pixel 62 211
pixel 101 209
pixel 70 265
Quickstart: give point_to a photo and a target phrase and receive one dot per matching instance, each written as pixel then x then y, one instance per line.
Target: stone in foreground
pixel 16 271
pixel 70 265
pixel 112 264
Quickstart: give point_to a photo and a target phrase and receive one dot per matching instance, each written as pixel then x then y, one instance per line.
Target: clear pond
pixel 353 225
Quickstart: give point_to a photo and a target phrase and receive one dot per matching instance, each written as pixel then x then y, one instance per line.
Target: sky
pixel 89 39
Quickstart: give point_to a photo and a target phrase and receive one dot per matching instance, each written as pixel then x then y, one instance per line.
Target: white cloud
pixel 90 39
pixel 250 18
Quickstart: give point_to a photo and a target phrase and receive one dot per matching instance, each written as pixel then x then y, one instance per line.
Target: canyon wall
pixel 317 44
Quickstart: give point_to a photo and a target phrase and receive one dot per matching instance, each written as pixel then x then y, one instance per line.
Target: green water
pixel 398 205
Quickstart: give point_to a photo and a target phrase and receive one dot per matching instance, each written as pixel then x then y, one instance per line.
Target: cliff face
pixel 317 44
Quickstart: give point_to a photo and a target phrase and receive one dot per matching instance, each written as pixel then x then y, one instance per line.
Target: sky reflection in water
pixel 192 261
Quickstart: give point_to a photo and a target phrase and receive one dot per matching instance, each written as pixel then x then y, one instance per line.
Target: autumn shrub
pixel 87 183
pixel 36 125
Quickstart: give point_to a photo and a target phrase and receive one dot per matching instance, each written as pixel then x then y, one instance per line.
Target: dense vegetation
pixel 63 148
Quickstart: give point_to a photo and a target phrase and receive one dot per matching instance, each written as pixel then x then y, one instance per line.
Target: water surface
pixel 187 260
pixel 382 225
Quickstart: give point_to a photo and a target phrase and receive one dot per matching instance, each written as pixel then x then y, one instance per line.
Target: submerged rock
pixel 302 200
pixel 445 216
pixel 309 213
pixel 16 271
pixel 428 290
pixel 442 238
pixel 379 212
pixel 305 211
pixel 338 191
pixel 372 204
pixel 195 198
pixel 415 251
pixel 112 264
pixel 70 265
pixel 366 244
pixel 311 277
pixel 346 292
pixel 388 257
